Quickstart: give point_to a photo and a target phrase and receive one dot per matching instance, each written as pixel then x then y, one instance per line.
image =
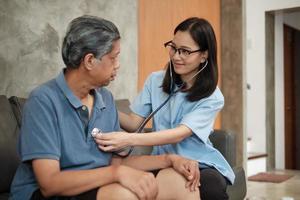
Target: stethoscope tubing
pixel 173 91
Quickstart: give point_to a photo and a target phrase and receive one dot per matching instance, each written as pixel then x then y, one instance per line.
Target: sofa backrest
pixel 224 141
pixel 8 144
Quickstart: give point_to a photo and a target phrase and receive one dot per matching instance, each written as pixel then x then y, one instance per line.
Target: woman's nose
pixel 176 56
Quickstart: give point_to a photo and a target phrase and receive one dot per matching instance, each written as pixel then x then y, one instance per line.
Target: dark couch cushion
pixel 225 142
pixel 8 144
pixel 17 104
pixel 4 196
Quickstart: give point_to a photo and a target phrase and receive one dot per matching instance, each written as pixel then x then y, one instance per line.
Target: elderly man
pixel 60 159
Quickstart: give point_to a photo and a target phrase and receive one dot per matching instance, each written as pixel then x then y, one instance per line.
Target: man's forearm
pixel 69 183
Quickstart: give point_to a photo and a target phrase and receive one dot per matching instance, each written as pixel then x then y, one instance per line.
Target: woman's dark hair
pixel 206 81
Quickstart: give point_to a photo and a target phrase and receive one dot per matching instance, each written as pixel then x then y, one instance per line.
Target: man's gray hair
pixel 88 34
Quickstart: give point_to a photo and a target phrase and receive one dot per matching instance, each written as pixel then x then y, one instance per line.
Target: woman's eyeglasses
pixel 183 53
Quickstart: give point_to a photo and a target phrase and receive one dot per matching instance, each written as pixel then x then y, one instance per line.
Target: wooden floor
pixel 275 191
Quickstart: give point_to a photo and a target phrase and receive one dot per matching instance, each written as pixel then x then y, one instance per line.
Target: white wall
pixel 255 73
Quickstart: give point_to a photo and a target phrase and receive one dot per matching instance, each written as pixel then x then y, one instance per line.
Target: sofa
pixel 10 122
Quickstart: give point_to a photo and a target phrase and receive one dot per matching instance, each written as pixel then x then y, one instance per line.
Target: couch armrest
pixel 17 104
pixel 238 190
pixel 225 142
pixel 9 131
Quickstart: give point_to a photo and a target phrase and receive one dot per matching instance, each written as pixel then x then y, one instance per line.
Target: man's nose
pixel 117 65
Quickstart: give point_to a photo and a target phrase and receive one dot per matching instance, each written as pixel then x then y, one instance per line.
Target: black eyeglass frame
pixel 179 49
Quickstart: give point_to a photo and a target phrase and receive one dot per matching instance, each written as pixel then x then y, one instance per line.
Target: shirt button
pixel 83 107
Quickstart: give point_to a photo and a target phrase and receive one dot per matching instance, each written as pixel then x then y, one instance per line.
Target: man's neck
pixel 78 83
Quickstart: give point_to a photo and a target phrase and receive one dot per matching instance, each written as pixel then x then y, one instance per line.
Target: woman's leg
pixel 115 191
pixel 213 185
pixel 172 186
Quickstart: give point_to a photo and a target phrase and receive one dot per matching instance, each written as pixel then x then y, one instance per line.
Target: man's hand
pixel 188 168
pixel 143 184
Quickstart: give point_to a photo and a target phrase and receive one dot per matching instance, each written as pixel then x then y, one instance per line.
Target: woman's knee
pixel 213 185
pixel 172 186
pixel 169 178
pixel 115 191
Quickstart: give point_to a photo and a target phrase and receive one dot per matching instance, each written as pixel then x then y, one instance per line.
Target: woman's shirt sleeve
pixel 201 119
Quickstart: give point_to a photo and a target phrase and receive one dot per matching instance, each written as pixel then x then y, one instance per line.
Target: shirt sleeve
pixel 201 119
pixel 39 136
pixel 142 104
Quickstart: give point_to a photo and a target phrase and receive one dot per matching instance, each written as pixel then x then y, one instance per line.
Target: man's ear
pixel 89 61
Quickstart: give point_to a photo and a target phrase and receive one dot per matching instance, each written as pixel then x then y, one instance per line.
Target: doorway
pixel 292 97
pixel 277 89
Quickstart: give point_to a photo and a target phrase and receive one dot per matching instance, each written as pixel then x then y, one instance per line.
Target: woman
pixel 184 124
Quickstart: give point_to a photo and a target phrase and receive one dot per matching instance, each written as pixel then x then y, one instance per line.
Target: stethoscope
pixel 172 93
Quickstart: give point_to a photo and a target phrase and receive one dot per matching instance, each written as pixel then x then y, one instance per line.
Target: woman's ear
pixel 204 56
pixel 89 61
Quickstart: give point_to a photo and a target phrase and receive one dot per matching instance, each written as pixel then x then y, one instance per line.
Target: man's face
pixel 106 68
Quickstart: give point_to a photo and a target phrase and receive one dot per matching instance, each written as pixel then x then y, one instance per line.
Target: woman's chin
pixel 179 70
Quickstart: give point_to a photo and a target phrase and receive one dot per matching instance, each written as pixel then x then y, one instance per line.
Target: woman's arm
pixel 144 162
pixel 130 122
pixel 118 140
pixel 169 136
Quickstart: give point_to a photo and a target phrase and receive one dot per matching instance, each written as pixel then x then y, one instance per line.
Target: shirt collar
pixel 99 103
pixel 76 103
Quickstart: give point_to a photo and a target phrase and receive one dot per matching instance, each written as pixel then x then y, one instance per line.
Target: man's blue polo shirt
pixel 55 126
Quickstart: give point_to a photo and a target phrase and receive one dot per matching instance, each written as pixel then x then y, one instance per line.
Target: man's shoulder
pixel 47 89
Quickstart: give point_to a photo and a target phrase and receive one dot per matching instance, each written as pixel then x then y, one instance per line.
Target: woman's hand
pixel 113 141
pixel 188 168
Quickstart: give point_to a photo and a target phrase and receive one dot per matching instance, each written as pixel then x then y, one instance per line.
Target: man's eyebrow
pixel 115 53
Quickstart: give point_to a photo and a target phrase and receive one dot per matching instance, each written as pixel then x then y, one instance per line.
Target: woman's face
pixel 186 65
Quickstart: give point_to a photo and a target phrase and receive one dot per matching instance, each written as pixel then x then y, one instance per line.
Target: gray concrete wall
pixel 31 36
